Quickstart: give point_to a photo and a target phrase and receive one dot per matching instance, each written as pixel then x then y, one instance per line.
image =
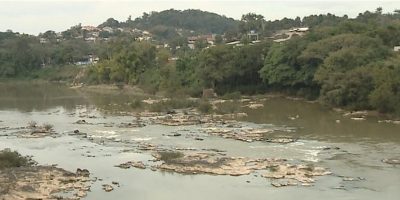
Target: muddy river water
pixel 351 149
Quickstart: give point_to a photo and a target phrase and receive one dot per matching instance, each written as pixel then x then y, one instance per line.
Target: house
pixel 233 43
pixel 299 30
pixel 396 48
pixel 108 29
pixel 282 40
pixel 190 45
pixel 252 35
pixel 87 60
pixel 90 39
pixel 43 40
pixel 171 59
pixel 90 28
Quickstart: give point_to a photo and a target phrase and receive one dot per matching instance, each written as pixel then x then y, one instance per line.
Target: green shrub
pixel 204 107
pixel 10 159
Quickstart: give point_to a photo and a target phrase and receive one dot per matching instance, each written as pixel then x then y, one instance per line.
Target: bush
pixel 137 103
pixel 10 159
pixel 32 124
pixel 204 107
pixel 169 156
pixel 47 126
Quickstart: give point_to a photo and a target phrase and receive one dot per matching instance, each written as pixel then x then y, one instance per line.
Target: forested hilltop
pixel 341 61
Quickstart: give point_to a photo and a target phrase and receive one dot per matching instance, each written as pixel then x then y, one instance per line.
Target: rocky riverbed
pixel 246 148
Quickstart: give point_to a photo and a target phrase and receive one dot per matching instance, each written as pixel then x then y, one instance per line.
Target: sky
pixel 34 17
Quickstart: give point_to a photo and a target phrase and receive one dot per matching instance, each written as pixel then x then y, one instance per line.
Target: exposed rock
pixel 129 164
pixel 392 161
pixel 41 182
pixel 281 140
pixel 300 173
pixel 131 125
pixel 139 165
pixel 356 114
pixel 107 188
pixel 178 120
pixel 147 147
pixel 175 134
pixel 82 172
pixel 254 105
pixel 247 135
pixel 115 183
pixel 81 121
pixel 358 118
pixel 390 121
pixel 351 179
pixel 171 112
pixel 35 131
pixel 284 183
pixel 151 101
pixel 208 163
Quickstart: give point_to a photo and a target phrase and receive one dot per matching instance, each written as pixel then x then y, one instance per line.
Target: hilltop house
pixel 90 28
pixel 210 39
pixel 253 36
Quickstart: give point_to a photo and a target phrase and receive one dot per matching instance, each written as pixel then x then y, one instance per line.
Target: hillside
pixel 195 20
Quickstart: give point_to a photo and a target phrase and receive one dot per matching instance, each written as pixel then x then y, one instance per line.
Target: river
pixel 347 147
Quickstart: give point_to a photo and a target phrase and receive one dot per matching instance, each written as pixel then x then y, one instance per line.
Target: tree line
pixel 341 61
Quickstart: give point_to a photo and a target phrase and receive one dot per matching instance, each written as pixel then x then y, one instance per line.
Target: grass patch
pixel 170 156
pixel 171 104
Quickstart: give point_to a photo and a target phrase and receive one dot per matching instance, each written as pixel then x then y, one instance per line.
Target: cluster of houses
pixel 87 60
pixel 209 39
pixel 94 33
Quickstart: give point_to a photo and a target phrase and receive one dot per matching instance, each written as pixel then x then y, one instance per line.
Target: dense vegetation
pixel 342 62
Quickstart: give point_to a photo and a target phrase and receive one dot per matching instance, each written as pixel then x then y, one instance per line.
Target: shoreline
pixel 111 89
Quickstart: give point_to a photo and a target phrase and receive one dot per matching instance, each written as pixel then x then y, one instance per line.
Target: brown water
pixel 363 144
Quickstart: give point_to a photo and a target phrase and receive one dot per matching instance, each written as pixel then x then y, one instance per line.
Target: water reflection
pixel 312 120
pixel 27 97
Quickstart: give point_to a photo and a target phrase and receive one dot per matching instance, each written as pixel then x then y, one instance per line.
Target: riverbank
pixel 184 101
pixel 133 90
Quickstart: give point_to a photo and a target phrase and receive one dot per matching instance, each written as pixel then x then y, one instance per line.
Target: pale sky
pixel 33 17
